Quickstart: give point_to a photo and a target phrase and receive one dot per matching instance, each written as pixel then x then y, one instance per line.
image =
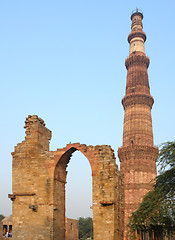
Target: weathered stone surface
pixel 71 227
pixel 39 178
pixel 72 232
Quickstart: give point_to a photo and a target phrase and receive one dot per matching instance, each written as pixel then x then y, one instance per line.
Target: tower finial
pixel 137 12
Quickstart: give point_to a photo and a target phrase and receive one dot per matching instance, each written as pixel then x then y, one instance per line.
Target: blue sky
pixel 64 61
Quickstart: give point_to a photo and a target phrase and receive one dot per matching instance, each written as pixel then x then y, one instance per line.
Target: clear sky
pixel 65 62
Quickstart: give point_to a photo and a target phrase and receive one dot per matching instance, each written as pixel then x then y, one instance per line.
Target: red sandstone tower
pixel 138 155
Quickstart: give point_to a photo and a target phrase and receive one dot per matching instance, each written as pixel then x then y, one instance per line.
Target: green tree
pixel 1 217
pixel 157 210
pixel 85 228
pixel 165 182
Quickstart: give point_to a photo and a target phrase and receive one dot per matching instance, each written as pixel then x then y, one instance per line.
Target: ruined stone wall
pixel 32 198
pixel 107 191
pixel 107 198
pixel 72 231
pixel 39 178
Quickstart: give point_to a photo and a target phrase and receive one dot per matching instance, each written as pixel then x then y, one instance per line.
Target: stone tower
pixel 137 155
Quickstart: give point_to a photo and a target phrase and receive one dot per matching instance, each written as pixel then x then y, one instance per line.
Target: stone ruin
pixel 39 178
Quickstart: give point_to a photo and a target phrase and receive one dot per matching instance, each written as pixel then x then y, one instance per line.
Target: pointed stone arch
pixel 39 178
pixel 62 161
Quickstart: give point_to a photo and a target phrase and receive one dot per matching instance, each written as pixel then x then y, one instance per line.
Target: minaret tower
pixel 138 155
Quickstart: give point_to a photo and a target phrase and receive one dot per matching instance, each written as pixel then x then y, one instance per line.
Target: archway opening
pixel 74 174
pixel 78 197
pixel 79 187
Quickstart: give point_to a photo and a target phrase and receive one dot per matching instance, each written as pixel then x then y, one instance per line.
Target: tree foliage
pixel 157 210
pixel 1 217
pixel 165 182
pixel 85 228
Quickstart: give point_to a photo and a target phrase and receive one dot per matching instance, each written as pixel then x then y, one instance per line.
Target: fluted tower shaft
pixel 137 155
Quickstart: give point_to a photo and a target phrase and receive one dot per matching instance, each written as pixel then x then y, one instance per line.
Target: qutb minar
pixel 138 154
